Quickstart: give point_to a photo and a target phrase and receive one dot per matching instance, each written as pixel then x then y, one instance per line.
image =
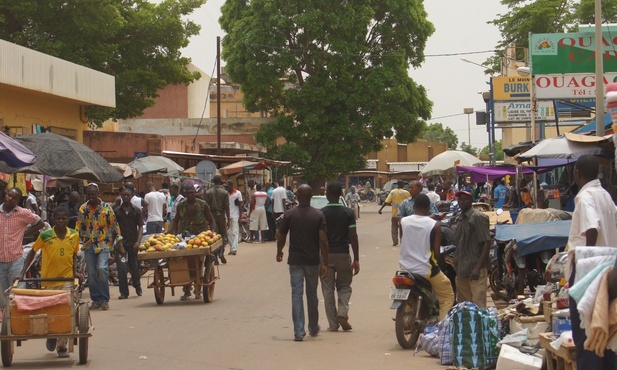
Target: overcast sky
pixel 461 27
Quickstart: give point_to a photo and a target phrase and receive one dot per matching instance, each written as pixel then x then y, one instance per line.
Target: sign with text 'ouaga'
pixel 553 53
pixel 569 86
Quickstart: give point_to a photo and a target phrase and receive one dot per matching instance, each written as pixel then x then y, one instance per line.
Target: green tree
pixel 136 41
pixel 543 16
pixel 436 133
pixel 498 150
pixel 333 74
pixel 469 149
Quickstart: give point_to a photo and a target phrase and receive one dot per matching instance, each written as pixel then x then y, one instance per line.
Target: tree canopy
pixel 543 16
pixel 438 134
pixel 334 74
pixel 136 41
pixel 499 155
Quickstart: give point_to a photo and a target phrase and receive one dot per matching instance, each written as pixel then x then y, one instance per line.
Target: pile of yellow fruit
pixel 159 243
pixel 203 240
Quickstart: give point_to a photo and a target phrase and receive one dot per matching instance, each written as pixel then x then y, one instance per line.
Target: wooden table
pixel 565 357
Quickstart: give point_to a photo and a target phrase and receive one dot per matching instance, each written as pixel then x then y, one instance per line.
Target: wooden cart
pixel 194 267
pixel 64 320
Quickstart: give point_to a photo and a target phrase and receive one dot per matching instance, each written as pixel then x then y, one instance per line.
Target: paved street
pixel 248 326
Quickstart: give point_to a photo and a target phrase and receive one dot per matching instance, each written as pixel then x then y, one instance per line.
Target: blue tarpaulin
pixel 591 126
pixel 535 237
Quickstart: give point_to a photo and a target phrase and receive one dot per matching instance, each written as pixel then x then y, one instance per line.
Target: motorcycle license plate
pixel 399 294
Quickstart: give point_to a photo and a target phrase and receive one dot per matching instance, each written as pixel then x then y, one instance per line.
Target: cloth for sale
pixel 612 326
pixel 31 303
pixel 587 300
pixel 588 258
pixel 597 333
pixel 429 340
pixel 475 335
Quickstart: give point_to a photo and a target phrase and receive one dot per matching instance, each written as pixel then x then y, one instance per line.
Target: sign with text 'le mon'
pixel 511 88
pixel 520 111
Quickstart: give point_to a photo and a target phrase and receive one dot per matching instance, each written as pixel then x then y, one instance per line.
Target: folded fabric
pixel 587 258
pixel 612 326
pixel 581 286
pixel 586 304
pixel 597 333
pixel 31 303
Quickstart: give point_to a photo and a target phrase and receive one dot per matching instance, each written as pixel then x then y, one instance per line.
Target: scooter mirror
pixel 454 203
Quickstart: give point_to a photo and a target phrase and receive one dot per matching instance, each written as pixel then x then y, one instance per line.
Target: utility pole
pixel 218 95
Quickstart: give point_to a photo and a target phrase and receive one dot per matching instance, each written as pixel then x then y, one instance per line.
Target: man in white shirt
pixel 432 196
pixel 420 248
pixel 235 211
pixel 257 214
pixel 157 208
pixel 279 200
pixel 594 223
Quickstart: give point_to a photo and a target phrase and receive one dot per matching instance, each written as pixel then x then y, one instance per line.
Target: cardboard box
pixel 49 320
pixel 511 358
pixel 533 329
pixel 179 270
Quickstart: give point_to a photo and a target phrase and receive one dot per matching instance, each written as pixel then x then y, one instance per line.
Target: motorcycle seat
pixel 421 280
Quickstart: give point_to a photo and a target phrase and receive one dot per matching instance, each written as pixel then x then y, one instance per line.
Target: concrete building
pixel 38 89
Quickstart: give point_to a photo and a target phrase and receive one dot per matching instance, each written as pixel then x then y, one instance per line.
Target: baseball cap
pixel 460 192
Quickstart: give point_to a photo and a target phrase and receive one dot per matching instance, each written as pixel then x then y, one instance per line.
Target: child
pixel 59 247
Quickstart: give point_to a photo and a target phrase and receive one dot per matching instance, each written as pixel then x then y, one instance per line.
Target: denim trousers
pixel 131 265
pixel 8 272
pixel 299 275
pixel 339 278
pixel 154 227
pixel 98 274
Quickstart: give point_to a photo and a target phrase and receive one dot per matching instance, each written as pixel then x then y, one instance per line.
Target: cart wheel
pixel 159 282
pixel 6 346
pixel 84 320
pixel 208 291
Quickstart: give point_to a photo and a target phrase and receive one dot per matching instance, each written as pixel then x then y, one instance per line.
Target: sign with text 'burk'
pixel 571 52
pixel 511 88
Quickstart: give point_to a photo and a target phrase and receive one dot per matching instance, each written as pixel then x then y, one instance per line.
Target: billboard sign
pixel 520 111
pixel 511 88
pixel 571 52
pixel 569 86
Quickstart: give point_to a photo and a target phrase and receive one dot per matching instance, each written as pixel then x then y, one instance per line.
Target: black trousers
pixel 131 264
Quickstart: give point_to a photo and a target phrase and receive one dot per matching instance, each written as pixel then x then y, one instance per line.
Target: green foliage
pixel 436 133
pixel 469 149
pixel 498 150
pixel 543 16
pixel 333 74
pixel 136 41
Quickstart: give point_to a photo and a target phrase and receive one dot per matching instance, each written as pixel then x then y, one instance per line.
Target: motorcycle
pixel 521 253
pixel 367 195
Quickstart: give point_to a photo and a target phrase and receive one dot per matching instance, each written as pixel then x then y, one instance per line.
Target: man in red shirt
pixel 13 223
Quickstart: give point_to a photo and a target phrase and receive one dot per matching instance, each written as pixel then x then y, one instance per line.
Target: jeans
pixel 339 277
pixel 132 265
pixel 154 227
pixel 586 359
pixel 98 274
pixel 232 235
pixel 299 274
pixel 8 272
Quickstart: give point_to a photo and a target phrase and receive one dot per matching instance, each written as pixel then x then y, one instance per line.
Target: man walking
pixel 157 208
pixel 100 232
pixel 271 231
pixel 473 243
pixel 13 223
pixel 279 200
pixel 175 199
pixel 131 223
pixel 73 206
pixel 257 214
pixel 353 201
pixel 341 231
pixel 420 248
pixel 395 199
pixel 307 240
pixel 235 212
pixel 218 201
pixel 407 207
pixel 594 223
pixel 193 215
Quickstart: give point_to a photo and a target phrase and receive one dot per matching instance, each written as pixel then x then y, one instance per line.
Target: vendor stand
pixel 178 268
pixel 564 357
